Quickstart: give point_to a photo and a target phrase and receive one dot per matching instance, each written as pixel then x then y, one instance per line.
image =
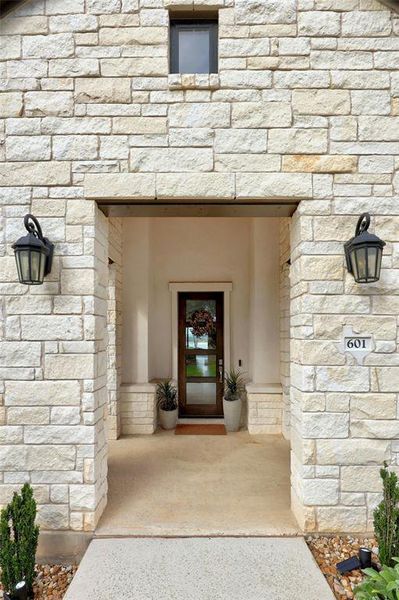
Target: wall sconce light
pixel 33 253
pixel 363 253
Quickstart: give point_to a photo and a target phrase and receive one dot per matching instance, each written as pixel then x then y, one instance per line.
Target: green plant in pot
pixel 168 405
pixel 18 544
pixel 234 388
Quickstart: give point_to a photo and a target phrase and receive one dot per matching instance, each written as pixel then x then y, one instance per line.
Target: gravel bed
pixel 52 581
pixel 328 551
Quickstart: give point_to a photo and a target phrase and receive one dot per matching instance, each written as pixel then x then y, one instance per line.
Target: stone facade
pixel 343 416
pixel 114 328
pixel 138 409
pixel 304 110
pixel 285 323
pixel 264 409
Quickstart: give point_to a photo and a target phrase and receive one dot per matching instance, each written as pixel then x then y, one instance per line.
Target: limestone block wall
pixel 52 357
pixel 285 287
pixel 138 408
pixel 114 327
pixel 344 416
pixel 264 409
pixel 305 108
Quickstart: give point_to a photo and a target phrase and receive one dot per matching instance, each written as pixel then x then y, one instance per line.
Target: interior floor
pixel 168 485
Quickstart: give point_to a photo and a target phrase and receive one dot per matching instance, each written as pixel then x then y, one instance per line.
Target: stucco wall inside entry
pixel 242 251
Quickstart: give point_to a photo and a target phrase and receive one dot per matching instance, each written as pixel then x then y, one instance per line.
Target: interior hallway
pixel 168 485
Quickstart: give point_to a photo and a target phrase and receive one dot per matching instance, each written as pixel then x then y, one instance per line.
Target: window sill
pixel 198 81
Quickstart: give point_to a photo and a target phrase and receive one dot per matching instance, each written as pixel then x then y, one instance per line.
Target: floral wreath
pixel 201 323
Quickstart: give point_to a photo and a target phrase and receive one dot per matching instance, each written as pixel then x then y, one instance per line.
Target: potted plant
pixel 234 387
pixel 18 543
pixel 167 404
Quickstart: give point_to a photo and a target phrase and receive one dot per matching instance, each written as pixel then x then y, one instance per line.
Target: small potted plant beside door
pixel 167 404
pixel 234 387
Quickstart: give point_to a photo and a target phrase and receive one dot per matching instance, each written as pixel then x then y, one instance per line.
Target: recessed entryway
pixel 233 272
pixel 198 485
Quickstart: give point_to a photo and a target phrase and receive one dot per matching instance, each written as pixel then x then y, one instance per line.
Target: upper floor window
pixel 193 46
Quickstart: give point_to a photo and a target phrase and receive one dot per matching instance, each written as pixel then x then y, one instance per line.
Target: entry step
pixel 199 569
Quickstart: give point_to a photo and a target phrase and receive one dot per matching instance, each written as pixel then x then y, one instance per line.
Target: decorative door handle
pixel 221 374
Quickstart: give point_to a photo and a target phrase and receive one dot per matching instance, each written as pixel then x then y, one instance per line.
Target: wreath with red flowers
pixel 201 323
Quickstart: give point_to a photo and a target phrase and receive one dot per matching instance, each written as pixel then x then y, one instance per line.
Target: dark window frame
pixel 177 25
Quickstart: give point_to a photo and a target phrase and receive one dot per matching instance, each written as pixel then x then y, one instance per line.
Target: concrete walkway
pixel 199 569
pixel 170 485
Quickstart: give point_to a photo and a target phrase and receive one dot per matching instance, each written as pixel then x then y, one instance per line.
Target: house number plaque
pixel 359 346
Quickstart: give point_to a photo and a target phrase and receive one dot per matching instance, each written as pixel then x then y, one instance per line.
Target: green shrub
pixel 18 540
pixel 386 518
pixel 380 586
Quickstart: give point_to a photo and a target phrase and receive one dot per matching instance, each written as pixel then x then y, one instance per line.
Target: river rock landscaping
pixel 52 581
pixel 329 550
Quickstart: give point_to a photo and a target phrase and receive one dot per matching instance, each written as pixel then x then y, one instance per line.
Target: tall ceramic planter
pixel 168 418
pixel 232 414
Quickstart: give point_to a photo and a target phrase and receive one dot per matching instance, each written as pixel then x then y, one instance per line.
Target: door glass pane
pixel 200 393
pixel 201 324
pixel 201 365
pixel 194 51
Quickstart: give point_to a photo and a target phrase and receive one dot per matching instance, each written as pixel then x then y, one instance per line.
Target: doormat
pixel 187 429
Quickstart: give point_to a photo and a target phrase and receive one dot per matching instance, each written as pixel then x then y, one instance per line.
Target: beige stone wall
pixel 138 409
pixel 285 287
pixel 53 381
pixel 264 409
pixel 344 416
pixel 305 107
pixel 114 327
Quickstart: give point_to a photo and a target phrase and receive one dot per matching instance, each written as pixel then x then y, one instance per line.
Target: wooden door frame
pixel 206 286
pixel 200 410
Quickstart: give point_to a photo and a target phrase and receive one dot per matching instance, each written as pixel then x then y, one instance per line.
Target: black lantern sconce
pixel 363 253
pixel 33 253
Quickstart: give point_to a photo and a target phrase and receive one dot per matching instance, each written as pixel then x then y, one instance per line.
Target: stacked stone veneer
pixel 114 328
pixel 285 288
pixel 305 108
pixel 344 417
pixel 138 408
pixel 264 409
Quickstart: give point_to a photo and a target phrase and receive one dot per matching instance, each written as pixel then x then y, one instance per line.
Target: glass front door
pixel 201 354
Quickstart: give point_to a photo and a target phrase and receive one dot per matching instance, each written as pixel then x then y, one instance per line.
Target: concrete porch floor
pixel 168 485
